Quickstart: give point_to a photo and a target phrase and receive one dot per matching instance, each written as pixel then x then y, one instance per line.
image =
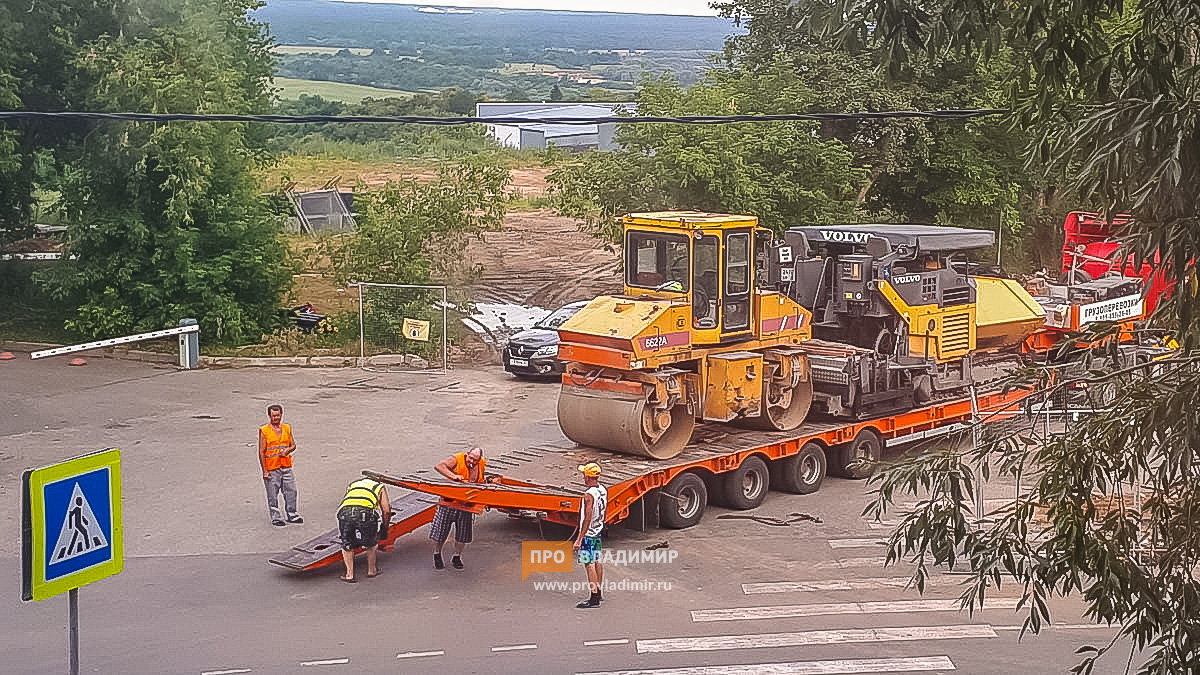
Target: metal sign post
pixel 71 531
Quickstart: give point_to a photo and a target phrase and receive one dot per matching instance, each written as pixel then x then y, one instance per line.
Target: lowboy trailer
pixel 722 464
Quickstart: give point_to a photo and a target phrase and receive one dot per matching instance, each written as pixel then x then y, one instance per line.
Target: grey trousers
pixel 281 480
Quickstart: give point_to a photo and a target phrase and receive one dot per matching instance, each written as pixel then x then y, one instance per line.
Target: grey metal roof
pixel 929 238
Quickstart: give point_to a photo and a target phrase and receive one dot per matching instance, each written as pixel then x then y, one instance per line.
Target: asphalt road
pixel 197 595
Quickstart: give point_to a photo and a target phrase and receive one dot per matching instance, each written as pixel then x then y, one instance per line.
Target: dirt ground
pixel 538 259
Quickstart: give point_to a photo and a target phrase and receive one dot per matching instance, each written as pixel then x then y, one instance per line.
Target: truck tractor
pixel 692 337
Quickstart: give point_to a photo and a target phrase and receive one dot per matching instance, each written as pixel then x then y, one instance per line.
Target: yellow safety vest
pixel 363 492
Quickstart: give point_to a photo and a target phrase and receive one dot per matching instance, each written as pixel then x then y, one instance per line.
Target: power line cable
pixel 509 120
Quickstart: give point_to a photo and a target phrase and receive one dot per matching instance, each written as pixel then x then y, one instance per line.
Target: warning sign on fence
pixel 416 330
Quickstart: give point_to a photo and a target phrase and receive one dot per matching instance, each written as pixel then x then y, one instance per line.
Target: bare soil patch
pixel 537 259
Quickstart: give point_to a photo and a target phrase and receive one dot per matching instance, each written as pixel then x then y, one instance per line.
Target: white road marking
pixel 597 643
pixel 414 655
pixel 1065 626
pixel 900 665
pixel 814 637
pixel 325 662
pixel 513 648
pixel 231 671
pixel 856 543
pixel 823 609
pixel 825 585
pixel 847 563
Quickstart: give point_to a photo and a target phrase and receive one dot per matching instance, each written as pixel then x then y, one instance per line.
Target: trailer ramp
pixel 409 511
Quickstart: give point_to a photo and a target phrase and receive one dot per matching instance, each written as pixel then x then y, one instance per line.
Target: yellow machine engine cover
pixel 643 327
pixel 1005 313
pixel 734 387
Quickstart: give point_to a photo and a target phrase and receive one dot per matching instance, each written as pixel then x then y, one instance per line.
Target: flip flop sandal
pixel 372 576
pixel 348 580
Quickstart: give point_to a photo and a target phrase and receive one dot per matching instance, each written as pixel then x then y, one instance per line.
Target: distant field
pixel 526 68
pixel 290 89
pixel 313 49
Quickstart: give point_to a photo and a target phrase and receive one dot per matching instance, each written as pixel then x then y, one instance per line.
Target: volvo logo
pixel 846 237
pixel 906 279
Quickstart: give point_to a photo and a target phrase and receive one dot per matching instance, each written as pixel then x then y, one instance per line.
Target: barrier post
pixel 189 345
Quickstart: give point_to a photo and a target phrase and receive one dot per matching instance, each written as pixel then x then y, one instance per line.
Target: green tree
pixel 166 219
pixel 1109 100
pixel 414 232
pixel 956 173
pixel 556 93
pixel 780 172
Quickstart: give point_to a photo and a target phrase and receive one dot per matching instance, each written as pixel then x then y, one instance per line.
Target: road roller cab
pixel 691 337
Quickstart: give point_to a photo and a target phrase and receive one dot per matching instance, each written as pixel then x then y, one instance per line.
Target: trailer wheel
pixel 682 501
pixel 854 459
pixel 802 473
pixel 746 487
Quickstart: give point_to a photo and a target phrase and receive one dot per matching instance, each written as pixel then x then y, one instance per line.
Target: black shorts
pixel 444 517
pixel 359 527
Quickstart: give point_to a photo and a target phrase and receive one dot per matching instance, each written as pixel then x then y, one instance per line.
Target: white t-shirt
pixel 599 506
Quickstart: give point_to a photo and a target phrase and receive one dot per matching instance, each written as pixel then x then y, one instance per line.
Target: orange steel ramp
pixel 409 512
pixel 507 494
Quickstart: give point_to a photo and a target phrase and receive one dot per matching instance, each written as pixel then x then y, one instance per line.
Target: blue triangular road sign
pixel 80 533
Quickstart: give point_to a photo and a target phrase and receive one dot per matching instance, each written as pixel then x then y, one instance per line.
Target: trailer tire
pixel 802 473
pixel 682 502
pixel 746 486
pixel 855 459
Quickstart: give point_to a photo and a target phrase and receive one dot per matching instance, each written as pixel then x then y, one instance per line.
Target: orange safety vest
pixel 461 468
pixel 272 455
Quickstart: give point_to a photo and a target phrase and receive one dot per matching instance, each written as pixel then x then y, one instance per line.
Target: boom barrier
pixel 186 351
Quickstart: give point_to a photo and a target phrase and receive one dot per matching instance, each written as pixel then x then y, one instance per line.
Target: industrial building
pixel 540 135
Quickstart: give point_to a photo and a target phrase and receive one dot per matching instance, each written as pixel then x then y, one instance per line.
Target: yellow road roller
pixel 692 337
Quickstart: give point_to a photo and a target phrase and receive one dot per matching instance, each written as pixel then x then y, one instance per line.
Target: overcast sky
pixel 684 7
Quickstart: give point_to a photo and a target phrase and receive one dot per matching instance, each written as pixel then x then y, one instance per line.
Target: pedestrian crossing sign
pixel 71 524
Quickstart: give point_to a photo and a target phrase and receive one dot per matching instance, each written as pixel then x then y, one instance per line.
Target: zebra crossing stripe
pixel 899 665
pixel 814 637
pixel 823 609
pixel 847 563
pixel 856 543
pixel 825 585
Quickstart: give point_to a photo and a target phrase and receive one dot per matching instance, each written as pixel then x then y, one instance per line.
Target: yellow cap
pixel 591 469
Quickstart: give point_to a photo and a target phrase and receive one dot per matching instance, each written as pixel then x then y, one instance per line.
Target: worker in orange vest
pixel 275 448
pixel 463 467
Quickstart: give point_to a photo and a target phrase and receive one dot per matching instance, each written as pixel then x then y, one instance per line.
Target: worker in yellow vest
pixel 463 467
pixel 363 520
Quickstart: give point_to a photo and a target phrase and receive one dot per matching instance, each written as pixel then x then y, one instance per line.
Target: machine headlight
pixel 548 350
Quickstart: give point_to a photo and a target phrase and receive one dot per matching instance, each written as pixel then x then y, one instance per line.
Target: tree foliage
pixel 1109 99
pixel 415 232
pixel 967 174
pixel 782 172
pixel 166 218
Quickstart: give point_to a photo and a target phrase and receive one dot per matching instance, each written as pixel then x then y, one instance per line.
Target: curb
pixel 126 354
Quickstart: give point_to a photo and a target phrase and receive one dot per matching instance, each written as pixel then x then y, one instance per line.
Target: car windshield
pixel 558 317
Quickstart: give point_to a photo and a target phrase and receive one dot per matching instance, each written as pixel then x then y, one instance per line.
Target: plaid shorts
pixel 358 527
pixel 444 517
pixel 589 551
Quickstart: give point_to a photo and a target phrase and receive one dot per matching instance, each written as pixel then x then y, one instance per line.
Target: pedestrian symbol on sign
pixel 80 533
